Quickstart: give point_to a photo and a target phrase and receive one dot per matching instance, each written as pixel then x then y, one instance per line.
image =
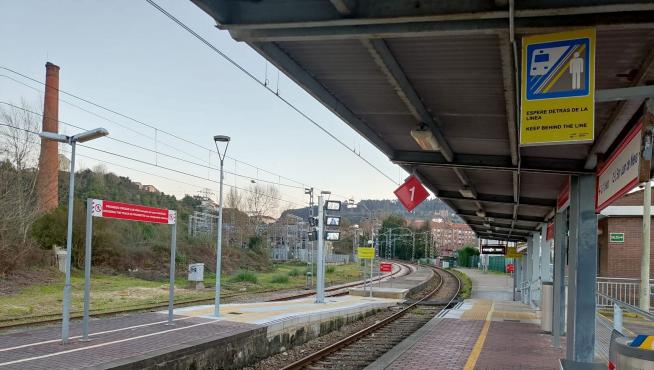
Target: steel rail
pixel 317 356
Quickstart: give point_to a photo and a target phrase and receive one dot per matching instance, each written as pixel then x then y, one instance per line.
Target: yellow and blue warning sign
pixel 643 342
pixel 558 85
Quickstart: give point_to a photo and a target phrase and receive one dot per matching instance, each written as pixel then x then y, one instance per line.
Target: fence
pixel 306 255
pixel 620 289
pixel 498 263
pixel 606 327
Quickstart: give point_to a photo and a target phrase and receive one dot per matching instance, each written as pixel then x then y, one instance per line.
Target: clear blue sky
pixel 129 57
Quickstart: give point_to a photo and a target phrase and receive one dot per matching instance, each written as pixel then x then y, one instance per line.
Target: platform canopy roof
pixel 389 66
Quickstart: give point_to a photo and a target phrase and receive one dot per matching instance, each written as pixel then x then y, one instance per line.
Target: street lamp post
pixel 72 141
pixel 219 238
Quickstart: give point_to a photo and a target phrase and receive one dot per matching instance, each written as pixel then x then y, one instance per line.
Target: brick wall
pixel 633 199
pixel 622 259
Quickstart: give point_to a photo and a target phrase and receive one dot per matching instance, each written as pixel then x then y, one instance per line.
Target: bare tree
pixel 19 143
pixel 262 200
pixel 234 199
pixel 18 161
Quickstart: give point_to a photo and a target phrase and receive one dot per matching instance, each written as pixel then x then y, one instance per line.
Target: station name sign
pixel 620 173
pixel 493 249
pixel 132 212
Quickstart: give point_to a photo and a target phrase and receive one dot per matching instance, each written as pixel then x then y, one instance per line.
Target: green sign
pixel 616 237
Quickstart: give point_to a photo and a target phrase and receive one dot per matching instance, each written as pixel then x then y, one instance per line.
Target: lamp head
pixel 90 135
pixel 53 136
pixel 221 139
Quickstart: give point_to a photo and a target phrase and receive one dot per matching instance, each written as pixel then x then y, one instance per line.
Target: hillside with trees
pixel 380 208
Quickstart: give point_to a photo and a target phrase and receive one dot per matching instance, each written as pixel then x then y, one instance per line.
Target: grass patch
pixel 116 292
pixel 466 284
pixel 244 276
pixel 330 269
pixel 279 279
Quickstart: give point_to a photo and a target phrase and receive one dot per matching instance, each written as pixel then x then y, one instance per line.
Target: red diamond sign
pixel 411 193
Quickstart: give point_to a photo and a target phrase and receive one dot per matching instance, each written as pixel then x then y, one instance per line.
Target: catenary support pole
pixel 583 270
pixel 645 255
pixel 320 283
pixel 372 263
pixel 87 269
pixel 558 293
pixel 219 242
pixel 65 322
pixel 171 287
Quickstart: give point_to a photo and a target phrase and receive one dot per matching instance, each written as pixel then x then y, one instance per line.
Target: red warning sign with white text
pixel 385 267
pixel 132 212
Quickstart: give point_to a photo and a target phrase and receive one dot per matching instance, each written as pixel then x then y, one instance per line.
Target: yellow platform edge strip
pixel 476 350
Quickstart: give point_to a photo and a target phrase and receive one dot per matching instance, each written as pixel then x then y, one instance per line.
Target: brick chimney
pixel 48 176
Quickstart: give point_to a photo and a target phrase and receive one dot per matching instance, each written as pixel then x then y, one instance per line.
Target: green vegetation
pixel 466 284
pixel 111 293
pixel 466 256
pixel 294 272
pixel 330 269
pixel 244 276
pixel 403 238
pixel 279 279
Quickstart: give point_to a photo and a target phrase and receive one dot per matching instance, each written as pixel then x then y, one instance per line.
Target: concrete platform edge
pixel 177 353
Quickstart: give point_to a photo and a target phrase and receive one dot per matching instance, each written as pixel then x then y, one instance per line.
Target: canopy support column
pixel 558 306
pixel 583 270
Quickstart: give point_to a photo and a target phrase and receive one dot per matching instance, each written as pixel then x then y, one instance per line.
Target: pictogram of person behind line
pixel 576 70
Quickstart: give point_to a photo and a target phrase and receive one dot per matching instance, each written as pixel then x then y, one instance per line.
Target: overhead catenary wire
pixel 138 122
pixel 148 136
pixel 265 86
pixel 159 166
pixel 161 153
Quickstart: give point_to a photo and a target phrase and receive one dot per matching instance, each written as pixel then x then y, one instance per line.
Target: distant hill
pixel 427 210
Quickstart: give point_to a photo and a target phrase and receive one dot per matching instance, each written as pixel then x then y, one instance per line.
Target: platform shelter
pixel 436 86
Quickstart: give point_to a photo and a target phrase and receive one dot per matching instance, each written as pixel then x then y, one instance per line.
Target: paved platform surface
pixel 488 331
pixel 409 281
pixel 135 336
pixel 112 339
pixel 396 287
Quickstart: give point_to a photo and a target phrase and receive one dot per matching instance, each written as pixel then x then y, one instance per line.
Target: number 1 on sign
pixel 412 190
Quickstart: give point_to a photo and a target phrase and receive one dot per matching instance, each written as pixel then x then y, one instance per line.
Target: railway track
pixel 365 346
pixel 332 291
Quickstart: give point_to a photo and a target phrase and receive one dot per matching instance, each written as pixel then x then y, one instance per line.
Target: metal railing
pixel 524 291
pixel 624 290
pixel 604 326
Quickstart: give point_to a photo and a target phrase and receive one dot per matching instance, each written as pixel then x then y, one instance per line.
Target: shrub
pixel 243 276
pixel 330 269
pixel 294 272
pixel 279 279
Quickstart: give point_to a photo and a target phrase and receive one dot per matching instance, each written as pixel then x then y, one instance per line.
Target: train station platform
pixel 397 287
pixel 487 331
pixel 245 333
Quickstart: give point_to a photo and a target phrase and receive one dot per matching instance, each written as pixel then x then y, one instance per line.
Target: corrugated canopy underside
pixel 387 66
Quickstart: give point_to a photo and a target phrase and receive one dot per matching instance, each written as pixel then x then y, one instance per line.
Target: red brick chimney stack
pixel 48 176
